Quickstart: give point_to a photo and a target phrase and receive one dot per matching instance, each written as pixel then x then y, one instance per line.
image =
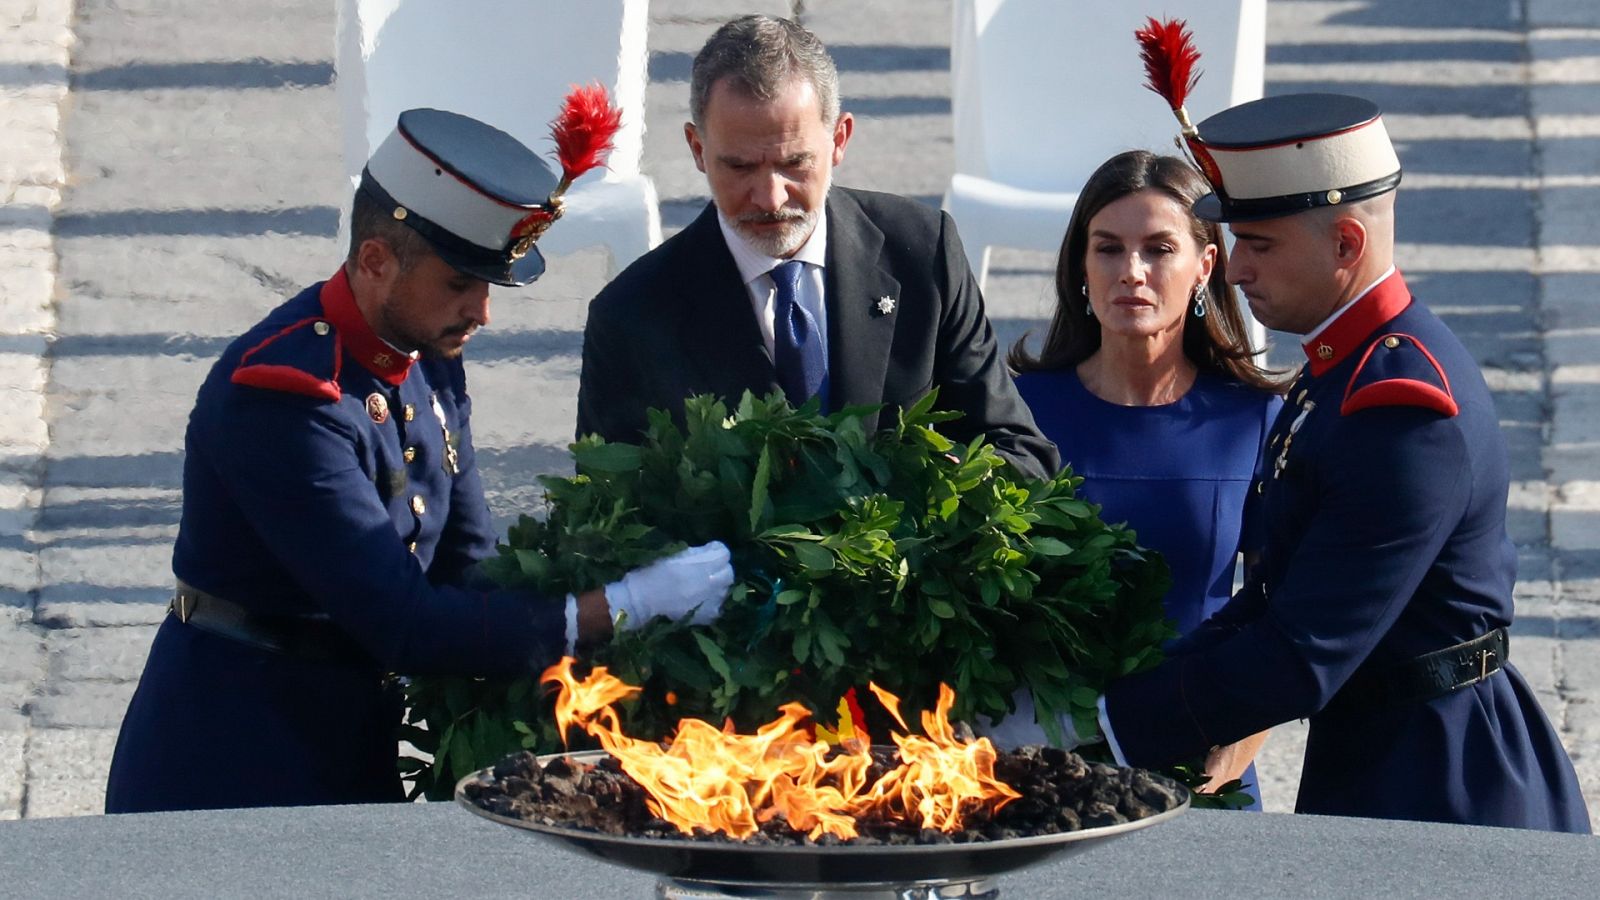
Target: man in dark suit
pixel 851 296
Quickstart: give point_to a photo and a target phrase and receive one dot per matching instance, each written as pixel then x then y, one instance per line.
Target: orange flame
pixel 717 780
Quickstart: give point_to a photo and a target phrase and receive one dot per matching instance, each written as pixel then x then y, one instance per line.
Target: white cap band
pixel 1343 160
pixel 439 196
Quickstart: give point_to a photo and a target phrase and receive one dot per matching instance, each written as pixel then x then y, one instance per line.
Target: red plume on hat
pixel 1169 55
pixel 583 132
pixel 1170 59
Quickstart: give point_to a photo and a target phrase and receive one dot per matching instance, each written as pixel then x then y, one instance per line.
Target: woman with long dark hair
pixel 1148 384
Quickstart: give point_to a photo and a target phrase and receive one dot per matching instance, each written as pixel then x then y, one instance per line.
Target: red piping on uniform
pixel 286 378
pixel 445 167
pixel 1387 299
pixel 339 305
pixel 1399 391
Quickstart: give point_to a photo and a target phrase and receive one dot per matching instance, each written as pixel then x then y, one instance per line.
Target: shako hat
pixel 1275 156
pixel 480 197
pixel 464 186
pixel 1281 155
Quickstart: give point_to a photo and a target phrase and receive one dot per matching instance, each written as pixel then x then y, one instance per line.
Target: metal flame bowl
pixel 744 864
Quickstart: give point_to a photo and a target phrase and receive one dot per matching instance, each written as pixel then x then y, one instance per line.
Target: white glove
pixel 1022 727
pixel 696 579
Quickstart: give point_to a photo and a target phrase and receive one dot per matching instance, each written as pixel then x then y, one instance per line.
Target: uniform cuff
pixel 1111 738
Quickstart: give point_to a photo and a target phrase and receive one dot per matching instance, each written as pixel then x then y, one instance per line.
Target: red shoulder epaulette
pixel 1397 370
pixel 291 361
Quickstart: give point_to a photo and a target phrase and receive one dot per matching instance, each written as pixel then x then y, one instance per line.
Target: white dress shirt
pixel 755 270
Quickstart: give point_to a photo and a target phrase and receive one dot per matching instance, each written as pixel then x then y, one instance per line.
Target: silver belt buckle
pixel 182 605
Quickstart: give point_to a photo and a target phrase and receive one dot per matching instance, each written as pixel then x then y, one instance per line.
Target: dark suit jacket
pixel 678 322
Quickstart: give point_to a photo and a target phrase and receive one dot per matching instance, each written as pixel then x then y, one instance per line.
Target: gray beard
pixel 794 234
pixel 786 241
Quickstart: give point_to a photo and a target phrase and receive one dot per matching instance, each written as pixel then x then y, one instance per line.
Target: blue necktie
pixel 799 349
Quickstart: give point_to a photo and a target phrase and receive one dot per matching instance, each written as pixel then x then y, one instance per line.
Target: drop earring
pixel 1199 301
pixel 1088 308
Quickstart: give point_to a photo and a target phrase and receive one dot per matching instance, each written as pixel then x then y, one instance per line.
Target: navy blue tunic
pixel 1178 474
pixel 324 473
pixel 1385 505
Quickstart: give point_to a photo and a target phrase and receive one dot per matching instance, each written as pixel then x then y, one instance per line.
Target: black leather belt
pixel 1429 675
pixel 311 637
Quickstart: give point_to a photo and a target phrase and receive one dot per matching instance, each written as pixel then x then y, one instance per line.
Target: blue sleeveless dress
pixel 1178 474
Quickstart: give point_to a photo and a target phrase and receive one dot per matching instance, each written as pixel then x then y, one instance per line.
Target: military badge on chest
pixel 1303 407
pixel 1282 461
pixel 452 459
pixel 377 408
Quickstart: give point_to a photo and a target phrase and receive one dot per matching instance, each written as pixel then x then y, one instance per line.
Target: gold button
pixel 411 412
pixel 320 328
pixel 411 454
pixel 400 212
pixel 419 505
pixel 1391 342
pixel 413 546
pixel 1335 196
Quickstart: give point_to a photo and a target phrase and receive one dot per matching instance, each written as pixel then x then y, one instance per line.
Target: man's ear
pixel 695 147
pixel 842 130
pixel 375 262
pixel 1350 241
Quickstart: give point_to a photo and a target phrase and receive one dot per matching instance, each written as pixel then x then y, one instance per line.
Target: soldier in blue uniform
pixel 1380 605
pixel 333 510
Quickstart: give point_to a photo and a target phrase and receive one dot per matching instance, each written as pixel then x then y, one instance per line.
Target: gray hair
pixel 762 54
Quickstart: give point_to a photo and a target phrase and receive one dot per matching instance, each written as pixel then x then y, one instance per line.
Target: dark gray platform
pixel 436 851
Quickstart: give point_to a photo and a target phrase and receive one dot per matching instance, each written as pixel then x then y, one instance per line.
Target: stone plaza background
pixel 169 171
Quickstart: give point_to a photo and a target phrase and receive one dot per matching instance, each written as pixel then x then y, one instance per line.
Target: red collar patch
pixel 1346 334
pixel 360 341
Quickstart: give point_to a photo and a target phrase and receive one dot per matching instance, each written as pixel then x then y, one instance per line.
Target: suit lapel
pixel 716 323
pixel 859 332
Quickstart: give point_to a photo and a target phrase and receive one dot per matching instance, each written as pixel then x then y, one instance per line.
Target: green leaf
pixel 941 608
pixel 814 557
pixel 800 646
pixel 714 656
pixel 608 458
pixel 758 488
pixel 1049 546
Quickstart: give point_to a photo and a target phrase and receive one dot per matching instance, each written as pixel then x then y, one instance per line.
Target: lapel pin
pixel 885 305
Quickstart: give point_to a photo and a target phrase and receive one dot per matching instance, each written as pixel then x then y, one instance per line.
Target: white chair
pixel 508 64
pixel 1044 91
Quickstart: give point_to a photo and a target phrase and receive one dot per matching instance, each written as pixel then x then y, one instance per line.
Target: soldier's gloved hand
pixel 1022 728
pixel 696 579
